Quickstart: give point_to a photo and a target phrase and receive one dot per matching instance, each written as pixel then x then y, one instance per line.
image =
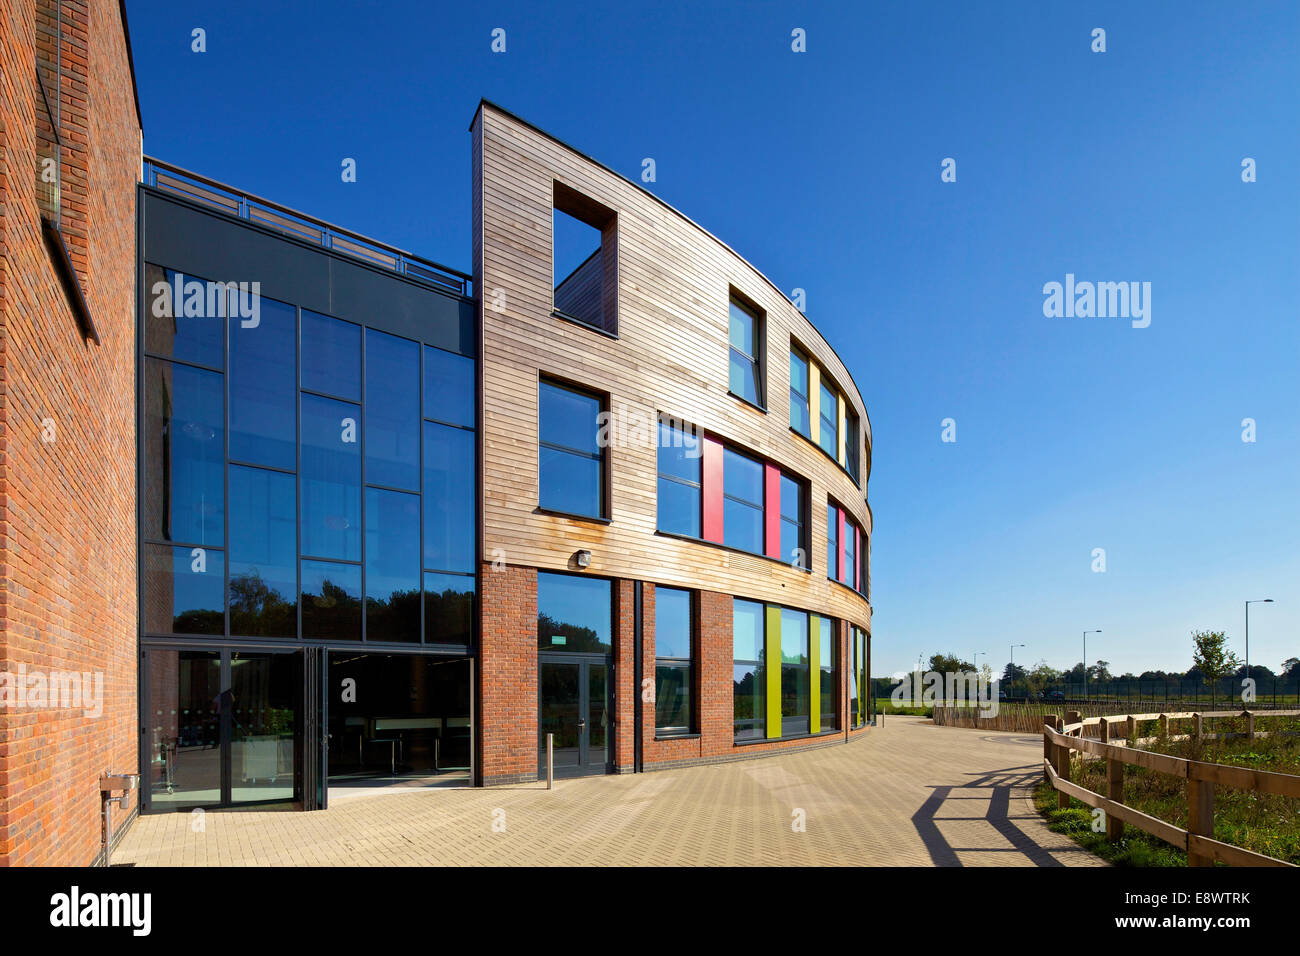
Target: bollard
pixel 550 761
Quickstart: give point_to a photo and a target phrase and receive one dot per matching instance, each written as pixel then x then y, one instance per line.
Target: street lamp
pixel 1013 670
pixel 1248 604
pixel 1085 660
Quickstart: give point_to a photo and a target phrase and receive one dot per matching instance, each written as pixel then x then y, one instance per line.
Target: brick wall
pixel 67 506
pixel 507 676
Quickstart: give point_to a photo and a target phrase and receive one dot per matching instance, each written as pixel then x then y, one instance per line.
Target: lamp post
pixel 1013 670
pixel 1248 604
pixel 1085 660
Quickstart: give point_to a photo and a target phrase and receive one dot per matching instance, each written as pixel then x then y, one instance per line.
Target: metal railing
pixel 243 205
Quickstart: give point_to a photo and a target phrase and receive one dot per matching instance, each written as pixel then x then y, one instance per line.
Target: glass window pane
pixel 392 411
pixel 796 688
pixel 799 415
pixel 791 499
pixel 680 453
pixel 828 436
pixel 331 478
pixel 449 528
pixel 742 526
pixel 743 380
pixel 448 387
pixel 263 368
pixel 331 355
pixel 184 317
pixel 747 630
pixel 392 566
pixel 184 454
pixel 829 667
pixel 573 613
pixel 741 329
pixel 331 601
pixel 742 477
pixel 847 574
pixel 832 541
pixel 672 622
pixel 792 549
pixel 673 697
pixel 263 553
pixel 679 508
pixel 799 376
pixel 749 701
pixel 569 482
pixel 569 419
pixel 449 608
pixel 184 590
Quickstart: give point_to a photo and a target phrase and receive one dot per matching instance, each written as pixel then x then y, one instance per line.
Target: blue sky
pixel 823 169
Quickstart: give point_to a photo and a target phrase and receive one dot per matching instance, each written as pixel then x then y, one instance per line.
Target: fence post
pixel 1199 729
pixel 1250 725
pixel 1114 786
pixel 1164 725
pixel 1200 814
pixel 1062 771
pixel 1049 720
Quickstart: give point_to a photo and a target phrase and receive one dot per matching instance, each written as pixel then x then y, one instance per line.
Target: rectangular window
pixel 584 251
pixel 392 411
pixel 184 454
pixel 864 578
pixel 799 419
pixel 832 542
pixel 448 387
pixel 852 442
pixel 742 502
pixel 331 479
pixel 182 317
pixel 858 690
pixel 331 356
pixel 449 527
pixel 674 654
pixel 829 415
pixel 331 601
pixel 449 608
pixel 828 664
pixel 749 674
pixel 745 333
pixel 570 461
pixel 263 386
pixel 573 613
pixel 849 574
pixel 186 588
pixel 853 678
pixel 263 559
pixel 796 684
pixel 794 542
pixel 679 490
pixel 392 566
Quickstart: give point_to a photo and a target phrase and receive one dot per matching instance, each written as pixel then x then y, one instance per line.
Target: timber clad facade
pixel 394 521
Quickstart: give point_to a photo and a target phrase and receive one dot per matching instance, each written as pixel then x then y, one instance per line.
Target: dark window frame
pixel 584 209
pixel 757 361
pixel 601 456
pixel 680 663
pixel 762 503
pixel 667 422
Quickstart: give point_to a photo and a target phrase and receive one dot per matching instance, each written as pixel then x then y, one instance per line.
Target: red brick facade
pixel 67 430
pixel 507 676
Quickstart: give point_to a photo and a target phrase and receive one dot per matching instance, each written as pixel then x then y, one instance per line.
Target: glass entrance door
pixel 222 727
pixel 573 704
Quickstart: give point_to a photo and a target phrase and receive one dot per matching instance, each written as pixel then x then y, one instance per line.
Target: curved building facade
pixel 668 444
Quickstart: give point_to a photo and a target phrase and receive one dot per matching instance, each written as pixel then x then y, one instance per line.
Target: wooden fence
pixel 1060 737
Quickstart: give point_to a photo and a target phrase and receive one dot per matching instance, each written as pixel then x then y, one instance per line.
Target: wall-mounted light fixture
pixel 582 559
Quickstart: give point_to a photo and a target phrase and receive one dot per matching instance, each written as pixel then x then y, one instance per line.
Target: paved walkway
pixel 908 794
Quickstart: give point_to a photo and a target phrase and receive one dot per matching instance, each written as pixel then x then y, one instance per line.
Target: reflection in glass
pixel 263 553
pixel 743 334
pixel 184 590
pixel 793 549
pixel 749 678
pixel 449 531
pixel 448 387
pixel 597 716
pixel 796 685
pixel 331 355
pixel 392 566
pixel 392 411
pixel 828 661
pixel 448 608
pixel 570 462
pixel 331 478
pixel 184 317
pixel 331 601
pixel 799 393
pixel 742 502
pixel 832 542
pixel 672 697
pixel 561 701
pixel 184 728
pixel 679 482
pixel 573 613
pixel 672 623
pixel 184 442
pixel 263 747
pixel 262 386
pixel 829 413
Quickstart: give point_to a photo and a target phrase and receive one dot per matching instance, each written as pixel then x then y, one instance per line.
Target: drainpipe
pixel 637 629
pixel 110 783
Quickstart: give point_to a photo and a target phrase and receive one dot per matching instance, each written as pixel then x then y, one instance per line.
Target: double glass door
pixel 223 727
pixel 574 706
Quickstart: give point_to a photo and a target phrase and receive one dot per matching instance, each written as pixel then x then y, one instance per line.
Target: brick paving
pixel 906 794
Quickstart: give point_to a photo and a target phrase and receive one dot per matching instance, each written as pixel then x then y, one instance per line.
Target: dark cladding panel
pixel 220 248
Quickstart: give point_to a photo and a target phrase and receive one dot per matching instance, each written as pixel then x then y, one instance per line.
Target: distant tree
pixel 1291 671
pixel 949 664
pixel 1100 671
pixel 1013 674
pixel 1211 658
pixel 1041 676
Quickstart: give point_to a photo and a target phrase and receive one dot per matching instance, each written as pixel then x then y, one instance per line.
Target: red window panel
pixel 772 512
pixel 712 490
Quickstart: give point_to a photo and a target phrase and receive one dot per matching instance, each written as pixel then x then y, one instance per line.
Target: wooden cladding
pixel 667 285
